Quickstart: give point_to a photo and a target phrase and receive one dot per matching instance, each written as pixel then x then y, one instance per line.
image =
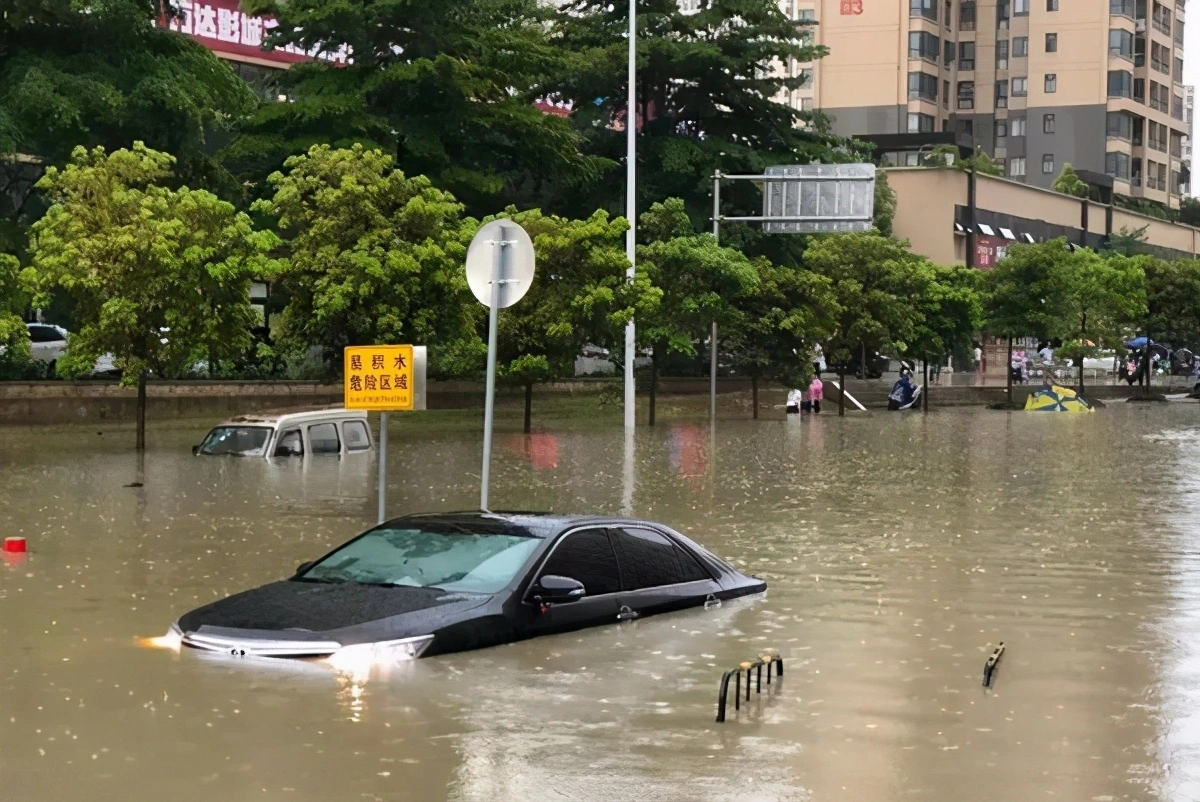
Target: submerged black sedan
pixel 431 584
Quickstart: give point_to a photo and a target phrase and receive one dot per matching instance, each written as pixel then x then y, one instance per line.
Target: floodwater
pixel 900 549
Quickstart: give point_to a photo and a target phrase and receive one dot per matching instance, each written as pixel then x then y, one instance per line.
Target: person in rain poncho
pixel 794 400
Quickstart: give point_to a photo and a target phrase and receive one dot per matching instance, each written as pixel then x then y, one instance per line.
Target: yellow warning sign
pixel 380 377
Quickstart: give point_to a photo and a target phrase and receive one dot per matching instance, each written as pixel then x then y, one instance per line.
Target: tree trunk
pixel 1008 373
pixel 528 407
pixel 862 361
pixel 141 411
pixel 653 384
pixel 925 386
pixel 842 391
pixel 754 393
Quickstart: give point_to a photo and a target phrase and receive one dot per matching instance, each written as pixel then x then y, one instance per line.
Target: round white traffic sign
pixel 501 249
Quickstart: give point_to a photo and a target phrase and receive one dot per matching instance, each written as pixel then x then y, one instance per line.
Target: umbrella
pixel 1138 342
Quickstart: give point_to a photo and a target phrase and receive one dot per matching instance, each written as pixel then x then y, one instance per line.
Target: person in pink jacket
pixel 816 391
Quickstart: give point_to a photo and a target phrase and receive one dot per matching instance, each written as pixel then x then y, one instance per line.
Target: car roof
pixel 534 524
pixel 280 418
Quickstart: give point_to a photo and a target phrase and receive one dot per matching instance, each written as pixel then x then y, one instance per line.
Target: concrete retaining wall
pixel 94 401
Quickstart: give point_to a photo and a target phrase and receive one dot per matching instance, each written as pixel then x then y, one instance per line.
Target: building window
pixel 1001 129
pixel 949 13
pixel 1120 83
pixel 1121 8
pixel 966 55
pixel 1002 54
pixel 1048 164
pixel 1052 5
pixel 1020 7
pixel 945 94
pixel 1002 94
pixel 924 45
pixel 1120 43
pixel 1117 165
pixel 922 86
pixel 966 128
pixel 1016 167
pixel 806 104
pixel 1050 83
pixel 948 52
pixel 966 16
pixel 920 123
pixel 1016 126
pixel 1051 43
pixel 1020 87
pixel 923 8
pixel 1139 90
pixel 1119 126
pixel 1048 124
pixel 966 94
pixel 1020 46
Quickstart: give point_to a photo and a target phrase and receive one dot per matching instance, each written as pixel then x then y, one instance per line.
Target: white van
pixel 294 434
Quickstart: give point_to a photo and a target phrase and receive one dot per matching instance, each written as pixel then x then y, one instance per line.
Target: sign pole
pixel 631 213
pixel 712 368
pixel 383 424
pixel 499 266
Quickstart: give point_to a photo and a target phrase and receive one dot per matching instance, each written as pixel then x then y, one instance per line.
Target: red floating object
pixel 14 545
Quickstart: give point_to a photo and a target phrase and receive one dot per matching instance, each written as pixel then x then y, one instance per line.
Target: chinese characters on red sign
pixel 379 377
pixel 221 26
pixel 852 7
pixel 989 250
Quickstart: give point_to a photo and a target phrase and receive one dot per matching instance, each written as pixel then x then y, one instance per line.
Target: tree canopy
pixel 375 256
pixel 159 276
pixel 444 87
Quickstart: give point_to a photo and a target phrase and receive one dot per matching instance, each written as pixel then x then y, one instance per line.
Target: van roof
pixel 280 417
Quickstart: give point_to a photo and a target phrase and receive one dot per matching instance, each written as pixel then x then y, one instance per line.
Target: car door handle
pixel 626 614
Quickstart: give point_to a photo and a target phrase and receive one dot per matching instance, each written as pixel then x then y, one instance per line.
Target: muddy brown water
pixel 899 549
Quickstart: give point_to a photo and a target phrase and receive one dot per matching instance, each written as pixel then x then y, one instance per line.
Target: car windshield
pixel 239 441
pixel 427 556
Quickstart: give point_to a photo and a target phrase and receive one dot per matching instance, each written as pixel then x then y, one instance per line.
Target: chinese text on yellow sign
pixel 379 377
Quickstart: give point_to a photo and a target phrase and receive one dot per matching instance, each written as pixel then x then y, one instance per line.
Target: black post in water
pixel 842 391
pixel 925 387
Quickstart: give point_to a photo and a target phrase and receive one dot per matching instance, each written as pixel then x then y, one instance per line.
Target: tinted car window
pixel 355 432
pixel 650 560
pixel 44 334
pixel 324 438
pixel 586 557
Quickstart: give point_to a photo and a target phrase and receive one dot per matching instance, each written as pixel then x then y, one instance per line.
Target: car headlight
pixel 381 652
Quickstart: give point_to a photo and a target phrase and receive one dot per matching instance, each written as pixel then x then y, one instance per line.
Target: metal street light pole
pixel 631 210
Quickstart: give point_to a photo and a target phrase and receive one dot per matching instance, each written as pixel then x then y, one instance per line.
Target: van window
pixel 323 437
pixel 355 432
pixel 290 444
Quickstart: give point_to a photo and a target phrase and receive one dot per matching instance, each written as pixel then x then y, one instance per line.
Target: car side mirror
pixel 302 567
pixel 551 589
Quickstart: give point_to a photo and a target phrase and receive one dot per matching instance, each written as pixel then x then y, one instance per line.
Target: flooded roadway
pixel 899 549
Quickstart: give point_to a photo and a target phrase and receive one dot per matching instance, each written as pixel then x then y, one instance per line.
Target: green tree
pixel 1022 295
pixel 781 319
pixel 158 276
pixel 580 295
pixel 878 285
pixel 885 204
pixel 445 87
pixel 706 98
pixel 103 74
pixel 14 342
pixel 695 281
pixel 1097 300
pixel 1128 242
pixel 1069 183
pixel 1173 297
pixel 1189 211
pixel 952 312
pixel 376 257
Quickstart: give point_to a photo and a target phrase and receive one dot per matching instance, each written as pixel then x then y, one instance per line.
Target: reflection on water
pixel 899 551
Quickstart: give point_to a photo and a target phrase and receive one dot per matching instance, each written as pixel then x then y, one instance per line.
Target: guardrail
pixel 768 660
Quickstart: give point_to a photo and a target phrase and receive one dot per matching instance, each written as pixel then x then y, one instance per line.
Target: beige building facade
pixel 945 221
pixel 1035 84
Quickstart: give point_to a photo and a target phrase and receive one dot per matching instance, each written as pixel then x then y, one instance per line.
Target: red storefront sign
pixel 221 26
pixel 989 250
pixel 852 8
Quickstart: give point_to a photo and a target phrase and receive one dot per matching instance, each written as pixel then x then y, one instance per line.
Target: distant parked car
pixel 48 344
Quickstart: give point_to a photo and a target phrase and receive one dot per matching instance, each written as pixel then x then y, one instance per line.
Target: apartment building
pixel 1034 84
pixel 1189 108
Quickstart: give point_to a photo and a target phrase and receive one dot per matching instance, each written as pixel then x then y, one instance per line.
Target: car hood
pixel 324 608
